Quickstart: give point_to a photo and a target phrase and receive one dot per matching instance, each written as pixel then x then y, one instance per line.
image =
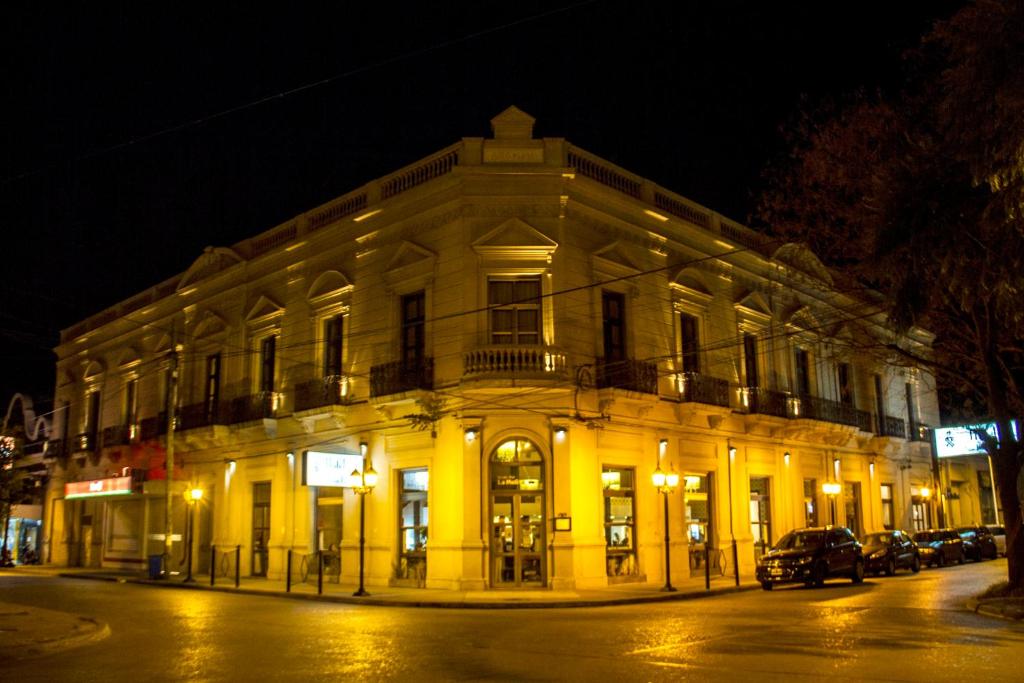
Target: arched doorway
pixel 517 515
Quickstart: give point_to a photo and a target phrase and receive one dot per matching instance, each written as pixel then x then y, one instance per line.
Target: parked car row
pixel 812 555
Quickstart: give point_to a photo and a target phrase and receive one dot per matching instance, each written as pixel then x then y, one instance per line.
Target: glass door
pixel 697 496
pixel 260 527
pixel 760 515
pixel 517 516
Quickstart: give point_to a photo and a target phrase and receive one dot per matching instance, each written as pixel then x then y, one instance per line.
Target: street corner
pixel 27 632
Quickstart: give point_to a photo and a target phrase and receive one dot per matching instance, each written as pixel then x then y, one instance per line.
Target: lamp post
pixel 666 482
pixel 367 480
pixel 831 489
pixel 192 497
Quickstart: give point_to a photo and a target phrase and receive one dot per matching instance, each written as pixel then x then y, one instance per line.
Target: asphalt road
pixel 902 628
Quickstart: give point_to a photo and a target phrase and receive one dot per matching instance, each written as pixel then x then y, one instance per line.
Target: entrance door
pixel 852 505
pixel 517 516
pixel 260 527
pixel 760 515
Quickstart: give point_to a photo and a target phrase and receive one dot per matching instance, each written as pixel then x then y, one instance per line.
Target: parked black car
pixel 978 543
pixel 940 547
pixel 810 556
pixel 887 551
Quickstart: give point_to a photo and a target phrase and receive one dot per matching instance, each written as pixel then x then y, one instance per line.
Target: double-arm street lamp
pixel 666 482
pixel 192 497
pixel 367 480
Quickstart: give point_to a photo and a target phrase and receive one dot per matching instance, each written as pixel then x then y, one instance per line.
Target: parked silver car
pixel 999 536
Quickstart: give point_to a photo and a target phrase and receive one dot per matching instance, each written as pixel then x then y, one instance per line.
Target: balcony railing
pixel 153 427
pixel 893 426
pixel 826 410
pixel 84 442
pixel 54 449
pixel 865 421
pixel 199 415
pixel 531 361
pixel 761 401
pixel 324 391
pixel 258 406
pixel 119 435
pixel 697 388
pixel 632 375
pixel 396 377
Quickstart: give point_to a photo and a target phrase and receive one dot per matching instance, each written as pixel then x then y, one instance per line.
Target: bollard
pixel 319 572
pixel 238 563
pixel 288 574
pixel 213 563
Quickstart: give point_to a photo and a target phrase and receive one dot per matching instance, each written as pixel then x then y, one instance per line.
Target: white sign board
pixel 330 469
pixel 964 440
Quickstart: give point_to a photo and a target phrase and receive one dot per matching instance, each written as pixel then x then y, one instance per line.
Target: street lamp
pixel 192 497
pixel 831 489
pixel 666 482
pixel 367 480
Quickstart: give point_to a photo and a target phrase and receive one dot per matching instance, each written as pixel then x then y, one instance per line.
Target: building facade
pixel 516 334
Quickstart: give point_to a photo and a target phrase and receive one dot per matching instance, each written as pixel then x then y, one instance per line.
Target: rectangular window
pixel 802 365
pixel 268 351
pixel 845 384
pixel 911 407
pixel 131 402
pixel 810 502
pixel 750 359
pixel 851 496
pixel 619 521
pixel 919 516
pixel 414 317
pixel 211 395
pixel 888 516
pixel 760 515
pixel 689 331
pixel 613 307
pixel 879 400
pixel 332 346
pixel 92 416
pixel 515 310
pixel 412 524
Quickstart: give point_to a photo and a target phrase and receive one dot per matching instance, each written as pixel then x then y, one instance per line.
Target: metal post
pixel 189 527
pixel 668 551
pixel 238 565
pixel 362 543
pixel 213 563
pixel 707 561
pixel 172 401
pixel 288 574
pixel 732 533
pixel 319 572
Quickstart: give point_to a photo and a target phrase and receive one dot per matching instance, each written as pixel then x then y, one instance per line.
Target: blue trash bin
pixel 155 566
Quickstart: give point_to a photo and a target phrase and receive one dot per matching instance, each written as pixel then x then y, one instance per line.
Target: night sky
pixel 133 138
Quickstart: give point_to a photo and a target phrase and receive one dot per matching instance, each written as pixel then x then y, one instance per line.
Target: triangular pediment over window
pixel 803 319
pixel 210 325
pixel 210 262
pixel 129 358
pixel 615 260
pixel 409 261
pixel 263 312
pixel 803 259
pixel 329 288
pixel 515 240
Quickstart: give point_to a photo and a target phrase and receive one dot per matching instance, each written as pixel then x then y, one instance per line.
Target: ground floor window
pixel 888 521
pixel 412 524
pixel 918 511
pixel 329 531
pixel 260 527
pixel 760 514
pixel 698 504
pixel 619 520
pixel 810 502
pixel 851 495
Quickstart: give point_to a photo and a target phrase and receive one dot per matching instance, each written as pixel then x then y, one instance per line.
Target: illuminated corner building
pixel 512 326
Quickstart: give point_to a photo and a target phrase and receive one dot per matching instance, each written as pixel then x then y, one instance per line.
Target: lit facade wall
pixel 508 290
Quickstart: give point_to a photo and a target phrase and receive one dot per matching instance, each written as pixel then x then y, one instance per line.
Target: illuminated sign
pixel 115 486
pixel 330 469
pixel 965 440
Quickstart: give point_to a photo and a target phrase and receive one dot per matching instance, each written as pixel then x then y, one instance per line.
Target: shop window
pixel 698 503
pixel 620 521
pixel 986 498
pixel 810 502
pixel 760 514
pixel 888 521
pixel 515 310
pixel 413 520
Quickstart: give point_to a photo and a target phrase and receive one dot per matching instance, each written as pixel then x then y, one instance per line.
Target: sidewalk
pixel 395 596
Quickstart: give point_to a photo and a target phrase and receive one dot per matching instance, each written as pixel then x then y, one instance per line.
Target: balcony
pixel 119 435
pixel 398 377
pixel 514 362
pixel 865 421
pixel 697 388
pixel 199 415
pixel 761 401
pixel 825 410
pixel 324 391
pixel 54 449
pixel 893 426
pixel 632 375
pixel 151 428
pixel 259 406
pixel 84 442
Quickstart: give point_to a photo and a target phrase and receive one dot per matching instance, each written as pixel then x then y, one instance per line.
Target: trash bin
pixel 155 566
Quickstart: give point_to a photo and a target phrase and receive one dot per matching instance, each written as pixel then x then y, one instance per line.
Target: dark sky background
pixel 133 137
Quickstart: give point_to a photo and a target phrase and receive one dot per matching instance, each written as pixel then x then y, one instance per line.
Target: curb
pixel 433 604
pixel 1001 608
